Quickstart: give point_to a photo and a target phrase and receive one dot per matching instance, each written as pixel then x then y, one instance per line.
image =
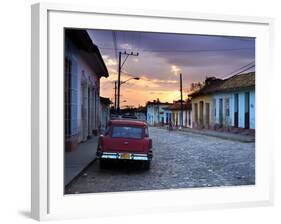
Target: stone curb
pixel 227 136
pixel 79 174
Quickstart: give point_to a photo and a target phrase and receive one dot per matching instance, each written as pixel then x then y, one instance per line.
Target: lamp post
pixel 181 101
pixel 118 97
pixel 123 82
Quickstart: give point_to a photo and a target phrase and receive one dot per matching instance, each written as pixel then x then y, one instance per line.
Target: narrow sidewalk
pixel 77 160
pixel 219 134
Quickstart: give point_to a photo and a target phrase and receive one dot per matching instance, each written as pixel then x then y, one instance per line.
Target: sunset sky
pixel 162 57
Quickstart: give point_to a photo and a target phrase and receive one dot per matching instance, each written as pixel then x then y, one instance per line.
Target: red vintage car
pixel 125 140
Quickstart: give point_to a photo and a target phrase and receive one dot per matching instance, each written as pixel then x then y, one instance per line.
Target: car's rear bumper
pixel 124 156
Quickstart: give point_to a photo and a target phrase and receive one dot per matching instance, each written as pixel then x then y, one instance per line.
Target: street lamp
pixel 118 96
pixel 136 78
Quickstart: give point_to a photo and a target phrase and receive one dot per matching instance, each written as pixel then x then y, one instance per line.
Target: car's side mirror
pixel 146 135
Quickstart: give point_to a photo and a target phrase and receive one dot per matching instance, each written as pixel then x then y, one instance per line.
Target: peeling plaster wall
pixel 241 108
pixel 84 77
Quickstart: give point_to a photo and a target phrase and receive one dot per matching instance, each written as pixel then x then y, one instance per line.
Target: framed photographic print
pixel 162 111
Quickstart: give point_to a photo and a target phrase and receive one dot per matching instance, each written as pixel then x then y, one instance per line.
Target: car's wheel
pixel 146 165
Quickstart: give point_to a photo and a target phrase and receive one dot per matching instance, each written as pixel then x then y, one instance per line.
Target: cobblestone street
pixel 181 160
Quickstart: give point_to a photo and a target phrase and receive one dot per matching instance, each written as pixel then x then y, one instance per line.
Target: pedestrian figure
pixel 170 126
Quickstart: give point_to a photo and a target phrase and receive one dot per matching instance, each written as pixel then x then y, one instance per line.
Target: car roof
pixel 128 122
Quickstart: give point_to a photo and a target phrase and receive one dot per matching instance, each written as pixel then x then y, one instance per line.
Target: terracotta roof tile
pixel 234 83
pixel 237 82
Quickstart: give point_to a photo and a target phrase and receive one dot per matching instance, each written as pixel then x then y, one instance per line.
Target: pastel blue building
pixel 155 112
pixel 83 68
pixel 234 102
pixel 231 103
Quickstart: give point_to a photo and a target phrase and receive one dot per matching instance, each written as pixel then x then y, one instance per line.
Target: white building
pixel 173 114
pixel 155 112
pixel 84 67
pixel 104 113
pixel 228 103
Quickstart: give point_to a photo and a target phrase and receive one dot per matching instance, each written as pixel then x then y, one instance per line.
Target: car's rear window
pixel 126 132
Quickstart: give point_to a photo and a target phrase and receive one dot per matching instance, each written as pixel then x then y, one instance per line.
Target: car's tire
pixel 146 165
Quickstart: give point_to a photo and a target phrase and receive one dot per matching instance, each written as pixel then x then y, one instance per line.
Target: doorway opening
pixel 236 109
pixel 247 110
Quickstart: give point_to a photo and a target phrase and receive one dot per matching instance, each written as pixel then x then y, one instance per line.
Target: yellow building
pixel 201 111
pixel 202 108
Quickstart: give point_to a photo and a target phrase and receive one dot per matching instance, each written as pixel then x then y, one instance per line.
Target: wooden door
pixel 236 109
pixel 247 110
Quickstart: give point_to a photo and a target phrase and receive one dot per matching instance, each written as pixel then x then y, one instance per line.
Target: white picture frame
pixel 48 200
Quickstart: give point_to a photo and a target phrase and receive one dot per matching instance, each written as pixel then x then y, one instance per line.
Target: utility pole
pixel 115 96
pixel 119 74
pixel 181 100
pixel 158 108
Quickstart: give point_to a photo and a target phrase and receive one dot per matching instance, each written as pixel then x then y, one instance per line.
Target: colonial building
pixel 202 115
pixel 228 103
pixel 84 67
pixel 234 102
pixel 155 112
pixel 104 113
pixel 172 114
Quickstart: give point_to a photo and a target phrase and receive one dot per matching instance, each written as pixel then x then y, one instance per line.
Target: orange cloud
pixel 138 92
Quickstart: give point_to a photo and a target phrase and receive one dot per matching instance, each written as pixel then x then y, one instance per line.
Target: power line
pixel 127 73
pixel 244 70
pixel 119 74
pixel 185 51
pixel 237 70
pixel 115 44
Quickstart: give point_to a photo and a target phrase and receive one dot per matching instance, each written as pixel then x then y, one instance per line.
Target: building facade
pixel 227 104
pixel 84 67
pixel 202 104
pixel 234 102
pixel 202 114
pixel 104 113
pixel 155 112
pixel 172 114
